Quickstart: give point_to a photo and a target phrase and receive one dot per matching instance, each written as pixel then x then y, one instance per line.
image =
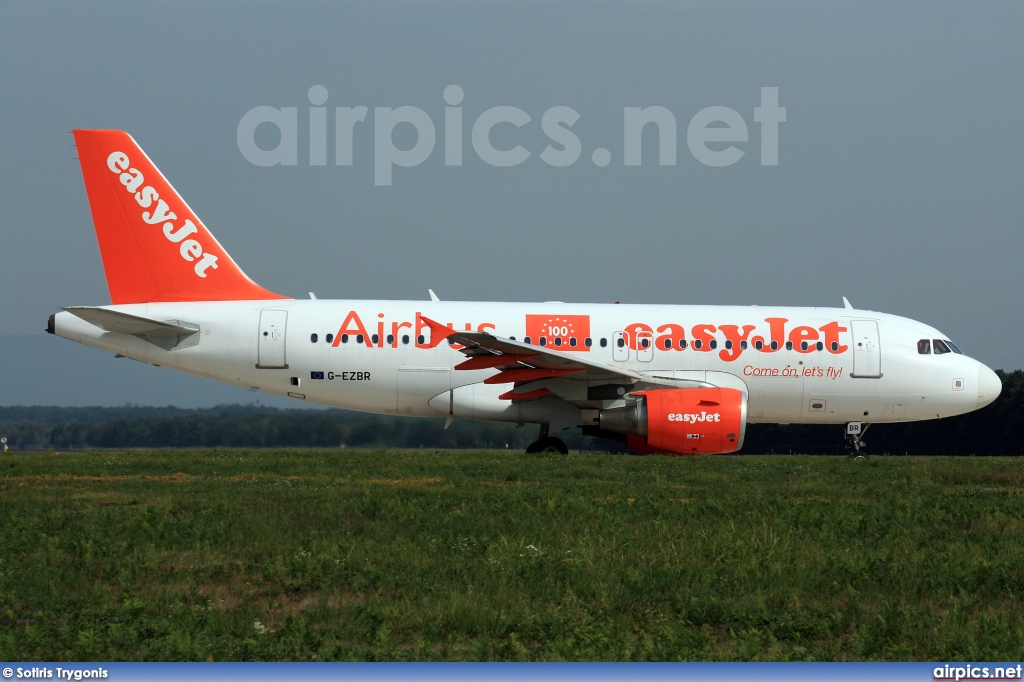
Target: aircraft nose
pixel 989 386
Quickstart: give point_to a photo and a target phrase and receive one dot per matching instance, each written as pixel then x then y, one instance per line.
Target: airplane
pixel 664 379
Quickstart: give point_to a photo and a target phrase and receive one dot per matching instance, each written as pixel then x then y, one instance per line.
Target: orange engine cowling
pixel 682 421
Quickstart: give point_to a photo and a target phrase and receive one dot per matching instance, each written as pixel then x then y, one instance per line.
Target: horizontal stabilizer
pixel 169 335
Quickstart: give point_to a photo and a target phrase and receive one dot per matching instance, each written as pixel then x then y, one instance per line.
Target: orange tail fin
pixel 154 248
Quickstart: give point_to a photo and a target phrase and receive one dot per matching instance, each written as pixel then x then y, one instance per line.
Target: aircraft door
pixel 644 346
pixel 867 355
pixel 620 346
pixel 271 349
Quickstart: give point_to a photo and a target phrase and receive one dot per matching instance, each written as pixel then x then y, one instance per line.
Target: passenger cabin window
pixel 820 345
pixel 330 338
pixel 543 340
pixel 667 343
pixel 759 344
pixel 682 344
pixel 419 339
pixel 620 342
pixel 572 341
pixel 697 344
pixel 743 345
pixel 645 343
pixel 374 339
pixel 713 344
pixel 558 341
pixel 587 342
pixel 604 342
pixel 526 339
pixel 924 347
pixel 405 339
pixel 391 339
pixel 940 347
pixel 312 338
pixel 359 338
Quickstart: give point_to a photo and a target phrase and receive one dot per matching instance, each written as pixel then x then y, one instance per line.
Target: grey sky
pixel 898 184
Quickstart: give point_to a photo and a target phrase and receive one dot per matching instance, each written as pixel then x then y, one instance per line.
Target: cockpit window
pixel 940 347
pixel 952 347
pixel 924 346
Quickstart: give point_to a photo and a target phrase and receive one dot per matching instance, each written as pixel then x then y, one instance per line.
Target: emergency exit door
pixel 272 340
pixel 644 346
pixel 620 346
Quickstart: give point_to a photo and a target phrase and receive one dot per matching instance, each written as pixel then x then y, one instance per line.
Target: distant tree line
pixel 995 430
pixel 242 426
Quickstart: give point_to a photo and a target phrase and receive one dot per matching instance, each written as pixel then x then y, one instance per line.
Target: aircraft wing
pixel 520 363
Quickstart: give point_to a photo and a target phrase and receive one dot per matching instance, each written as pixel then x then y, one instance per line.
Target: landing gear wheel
pixel 547 444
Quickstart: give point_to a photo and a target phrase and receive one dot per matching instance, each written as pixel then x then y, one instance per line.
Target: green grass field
pixel 484 555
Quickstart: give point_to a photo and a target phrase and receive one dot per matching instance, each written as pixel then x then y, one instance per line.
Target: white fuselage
pixel 856 365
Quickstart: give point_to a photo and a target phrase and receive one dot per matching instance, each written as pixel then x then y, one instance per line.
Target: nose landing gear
pixel 854 431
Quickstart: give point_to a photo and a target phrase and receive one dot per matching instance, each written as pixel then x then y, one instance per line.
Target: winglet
pixel 433 296
pixel 846 304
pixel 438 331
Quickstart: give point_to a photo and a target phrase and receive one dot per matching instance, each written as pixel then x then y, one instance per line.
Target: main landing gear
pixel 547 443
pixel 854 431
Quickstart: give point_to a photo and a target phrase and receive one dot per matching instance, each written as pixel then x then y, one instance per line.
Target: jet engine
pixel 681 421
